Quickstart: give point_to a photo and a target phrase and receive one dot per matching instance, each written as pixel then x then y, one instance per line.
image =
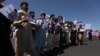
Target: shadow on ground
pixel 56 51
pixel 60 51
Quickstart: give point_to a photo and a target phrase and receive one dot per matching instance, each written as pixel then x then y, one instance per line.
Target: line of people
pixel 33 37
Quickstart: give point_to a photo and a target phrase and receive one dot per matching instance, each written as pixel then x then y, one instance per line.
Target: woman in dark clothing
pixel 73 36
pixel 5 42
pixel 90 35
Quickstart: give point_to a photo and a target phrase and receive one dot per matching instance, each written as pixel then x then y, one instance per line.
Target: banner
pixel 87 26
pixel 8 12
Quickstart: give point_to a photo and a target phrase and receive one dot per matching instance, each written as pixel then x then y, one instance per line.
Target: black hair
pixel 80 25
pixel 15 10
pixel 23 4
pixel 60 16
pixel 31 12
pixel 43 14
pixel 52 15
pixel 56 20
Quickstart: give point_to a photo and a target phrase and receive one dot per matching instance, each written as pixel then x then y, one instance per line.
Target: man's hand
pixel 33 28
pixel 23 19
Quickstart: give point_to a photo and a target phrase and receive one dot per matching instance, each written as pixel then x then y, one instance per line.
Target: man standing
pixel 26 43
pixel 73 35
pixel 5 42
pixel 50 33
pixel 80 35
pixel 41 33
pixel 90 34
pixel 32 22
pixel 32 14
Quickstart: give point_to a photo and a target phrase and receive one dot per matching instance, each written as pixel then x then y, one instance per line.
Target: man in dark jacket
pixel 90 34
pixel 6 48
pixel 73 35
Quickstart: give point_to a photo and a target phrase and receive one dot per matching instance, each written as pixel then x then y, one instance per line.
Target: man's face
pixel 60 19
pixel 52 18
pixel 25 7
pixel 32 15
pixel 42 17
pixel 80 26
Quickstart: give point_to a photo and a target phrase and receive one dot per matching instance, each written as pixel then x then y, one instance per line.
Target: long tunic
pixel 56 35
pixel 63 36
pixel 25 40
pixel 50 36
pixel 41 37
pixel 73 37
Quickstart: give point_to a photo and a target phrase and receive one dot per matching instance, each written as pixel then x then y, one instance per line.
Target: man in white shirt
pixel 31 17
pixel 32 20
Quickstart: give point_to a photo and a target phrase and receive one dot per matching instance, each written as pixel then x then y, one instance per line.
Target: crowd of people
pixel 33 37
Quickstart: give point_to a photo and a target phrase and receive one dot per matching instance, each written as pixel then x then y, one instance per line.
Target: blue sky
pixel 87 11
